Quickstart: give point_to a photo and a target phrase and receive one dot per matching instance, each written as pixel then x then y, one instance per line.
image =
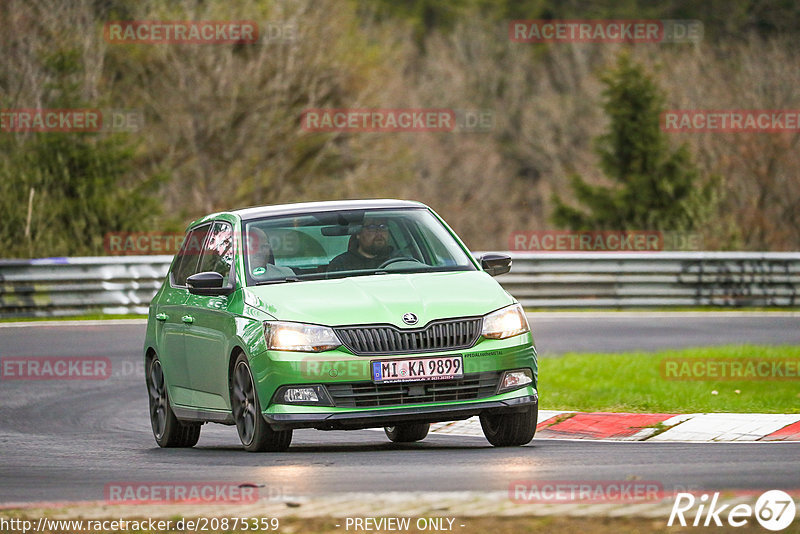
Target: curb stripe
pixel 705 427
pixel 684 428
pixel 602 425
pixel 787 433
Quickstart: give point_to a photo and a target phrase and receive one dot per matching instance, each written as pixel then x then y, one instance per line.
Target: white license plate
pixel 417 369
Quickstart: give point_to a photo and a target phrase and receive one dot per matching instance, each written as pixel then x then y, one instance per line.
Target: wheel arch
pixel 236 350
pixel 149 355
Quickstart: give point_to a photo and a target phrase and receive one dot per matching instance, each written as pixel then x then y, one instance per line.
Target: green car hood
pixel 381 298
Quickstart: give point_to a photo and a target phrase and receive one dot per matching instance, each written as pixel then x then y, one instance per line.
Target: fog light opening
pixel 516 379
pixel 300 395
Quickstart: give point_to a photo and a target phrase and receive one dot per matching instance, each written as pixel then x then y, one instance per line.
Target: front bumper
pixel 357 419
pixel 337 369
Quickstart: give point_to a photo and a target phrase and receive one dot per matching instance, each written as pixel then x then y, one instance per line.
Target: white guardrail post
pixel 125 284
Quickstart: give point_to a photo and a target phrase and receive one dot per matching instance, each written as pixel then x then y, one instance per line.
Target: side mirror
pixel 496 264
pixel 208 283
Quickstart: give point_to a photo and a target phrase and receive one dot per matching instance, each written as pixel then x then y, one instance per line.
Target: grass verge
pixel 637 382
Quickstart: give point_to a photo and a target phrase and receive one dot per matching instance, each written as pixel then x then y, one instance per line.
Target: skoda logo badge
pixel 410 318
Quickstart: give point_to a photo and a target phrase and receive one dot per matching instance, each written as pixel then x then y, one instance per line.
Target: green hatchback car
pixel 336 316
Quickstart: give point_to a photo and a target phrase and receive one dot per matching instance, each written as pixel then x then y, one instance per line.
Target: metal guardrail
pixel 75 286
pixel 126 284
pixel 655 279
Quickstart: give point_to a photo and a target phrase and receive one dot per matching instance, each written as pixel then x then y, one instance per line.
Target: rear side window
pixel 218 252
pixel 189 255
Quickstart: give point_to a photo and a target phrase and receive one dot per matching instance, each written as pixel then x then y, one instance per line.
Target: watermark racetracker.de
pixel 572 491
pixel 603 241
pixel 352 120
pixel 55 368
pixel 180 32
pixel 164 492
pixel 144 243
pixel 59 368
pixel 63 120
pixel 756 369
pixel 155 243
pixel 605 31
pixel 730 120
pixel 199 32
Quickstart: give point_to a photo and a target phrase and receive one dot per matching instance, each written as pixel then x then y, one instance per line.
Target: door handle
pixel 188 319
pixel 162 316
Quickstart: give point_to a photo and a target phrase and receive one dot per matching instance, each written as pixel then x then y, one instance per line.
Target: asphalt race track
pixel 65 440
pixel 557 333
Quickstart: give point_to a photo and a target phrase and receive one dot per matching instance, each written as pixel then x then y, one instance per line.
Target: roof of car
pixel 336 205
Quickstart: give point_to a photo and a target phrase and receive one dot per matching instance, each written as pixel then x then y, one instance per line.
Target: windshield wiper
pixel 279 280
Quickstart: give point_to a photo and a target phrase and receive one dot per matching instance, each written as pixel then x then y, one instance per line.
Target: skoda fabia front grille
pixel 442 335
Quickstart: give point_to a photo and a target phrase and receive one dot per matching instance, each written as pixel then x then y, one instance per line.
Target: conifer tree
pixel 653 187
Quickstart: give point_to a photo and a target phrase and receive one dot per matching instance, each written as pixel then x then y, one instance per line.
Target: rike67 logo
pixel 774 510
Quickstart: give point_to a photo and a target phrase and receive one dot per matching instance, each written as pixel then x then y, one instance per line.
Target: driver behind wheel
pixel 368 248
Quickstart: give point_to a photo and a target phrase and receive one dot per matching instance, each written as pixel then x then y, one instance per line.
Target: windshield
pixel 349 243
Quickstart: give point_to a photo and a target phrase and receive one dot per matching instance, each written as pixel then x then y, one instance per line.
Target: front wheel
pixel 510 429
pixel 408 432
pixel 167 429
pixel 254 432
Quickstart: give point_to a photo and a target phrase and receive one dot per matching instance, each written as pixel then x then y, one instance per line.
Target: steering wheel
pixel 396 259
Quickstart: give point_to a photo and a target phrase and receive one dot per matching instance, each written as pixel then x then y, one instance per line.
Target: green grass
pixel 633 382
pixel 89 317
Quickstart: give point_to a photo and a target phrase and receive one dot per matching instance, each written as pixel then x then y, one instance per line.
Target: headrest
pixel 352 244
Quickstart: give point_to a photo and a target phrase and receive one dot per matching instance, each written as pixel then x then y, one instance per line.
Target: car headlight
pixel 506 322
pixel 299 337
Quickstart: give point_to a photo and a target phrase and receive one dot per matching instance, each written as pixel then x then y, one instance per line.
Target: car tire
pixel 168 430
pixel 254 432
pixel 408 432
pixel 510 429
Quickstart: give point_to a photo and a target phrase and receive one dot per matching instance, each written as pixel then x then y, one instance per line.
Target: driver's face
pixel 374 235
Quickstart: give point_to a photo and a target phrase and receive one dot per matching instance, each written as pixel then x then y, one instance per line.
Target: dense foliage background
pixel 222 122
